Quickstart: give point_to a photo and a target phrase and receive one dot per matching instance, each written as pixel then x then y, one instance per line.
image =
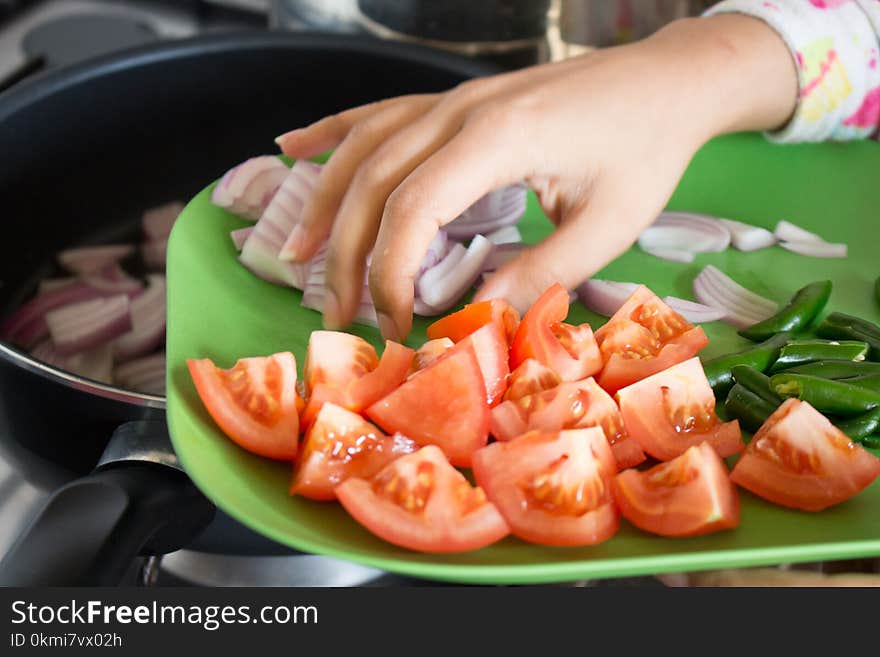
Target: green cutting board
pixel 216 309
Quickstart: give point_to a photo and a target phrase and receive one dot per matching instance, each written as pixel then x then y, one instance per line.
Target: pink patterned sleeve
pixel 836 48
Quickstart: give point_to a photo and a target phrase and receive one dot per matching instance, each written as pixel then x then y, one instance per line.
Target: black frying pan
pixel 84 152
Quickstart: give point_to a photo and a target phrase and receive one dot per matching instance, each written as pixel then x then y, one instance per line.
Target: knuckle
pixel 365 130
pixel 403 201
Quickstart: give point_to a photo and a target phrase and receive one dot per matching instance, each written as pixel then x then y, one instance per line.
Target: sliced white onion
pixel 605 297
pixel 502 254
pixel 451 286
pixel 505 235
pixel 674 235
pixel 816 249
pixel 154 254
pixel 742 306
pixel 424 310
pixel 88 259
pixel 113 279
pixel 497 209
pixel 674 255
pixel 261 250
pixel 95 364
pixel 259 193
pixel 695 313
pixel 787 232
pixel 316 286
pixel 437 250
pixel 230 192
pixel 157 222
pixel 148 322
pixel 80 326
pixel 145 374
pixel 746 237
pixel 434 274
pixel 239 236
pixel 27 325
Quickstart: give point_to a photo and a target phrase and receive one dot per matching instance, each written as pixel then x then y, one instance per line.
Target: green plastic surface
pixel 217 309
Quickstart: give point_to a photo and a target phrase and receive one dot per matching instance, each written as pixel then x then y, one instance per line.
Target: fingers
pixel 357 221
pixel 329 132
pixel 478 159
pixel 762 577
pixel 362 139
pixel 602 225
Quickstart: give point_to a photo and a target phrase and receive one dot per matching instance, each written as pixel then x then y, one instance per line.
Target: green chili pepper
pixel 842 320
pixel 756 383
pixel 840 325
pixel 759 356
pixel 836 369
pixel 869 381
pixel 861 425
pixel 871 441
pixel 877 291
pixel 798 352
pixel 799 313
pixel 825 395
pixel 747 407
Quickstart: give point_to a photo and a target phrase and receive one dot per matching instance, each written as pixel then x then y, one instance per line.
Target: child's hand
pixel 602 139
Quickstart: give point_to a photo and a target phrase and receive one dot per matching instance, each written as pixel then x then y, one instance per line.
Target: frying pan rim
pixel 38 87
pixel 35 89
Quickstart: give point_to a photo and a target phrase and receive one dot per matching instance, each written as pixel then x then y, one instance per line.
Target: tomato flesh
pixel 443 404
pixel 341 444
pixel 358 388
pixel 254 402
pixel 421 502
pixel 690 495
pixel 461 324
pixel 337 358
pixel 570 351
pixel 490 346
pixel 530 377
pixel 645 336
pixel 429 352
pixel 675 409
pixel 800 460
pixel 570 405
pixel 552 488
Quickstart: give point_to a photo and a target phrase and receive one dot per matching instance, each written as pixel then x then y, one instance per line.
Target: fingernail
pixel 332 320
pixel 287 135
pixel 294 244
pixel 387 327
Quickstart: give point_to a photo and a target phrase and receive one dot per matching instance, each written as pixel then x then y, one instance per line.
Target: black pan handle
pixel 91 530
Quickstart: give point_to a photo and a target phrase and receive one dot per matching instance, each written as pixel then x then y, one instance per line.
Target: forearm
pixel 734 72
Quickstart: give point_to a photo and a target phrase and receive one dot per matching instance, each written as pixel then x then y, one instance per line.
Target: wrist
pixel 732 72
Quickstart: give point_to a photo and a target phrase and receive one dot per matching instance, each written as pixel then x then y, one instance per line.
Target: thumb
pixel 590 235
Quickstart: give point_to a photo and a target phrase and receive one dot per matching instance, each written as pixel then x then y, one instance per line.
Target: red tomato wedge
pixel 358 387
pixel 443 404
pixel 552 488
pixel 572 405
pixel 337 358
pixel 645 336
pixel 490 346
pixel 421 502
pixel 687 496
pixel 800 460
pixel 341 444
pixel 570 351
pixel 461 324
pixel 530 377
pixel 675 409
pixel 254 402
pixel 429 352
